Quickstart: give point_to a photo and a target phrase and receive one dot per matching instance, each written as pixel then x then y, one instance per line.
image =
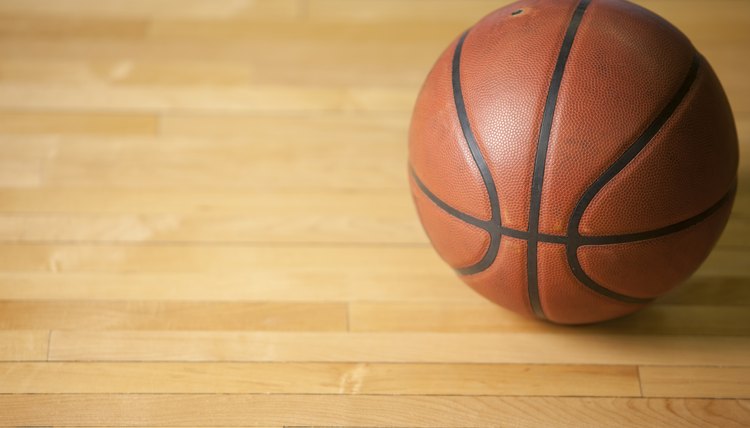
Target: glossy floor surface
pixel 205 221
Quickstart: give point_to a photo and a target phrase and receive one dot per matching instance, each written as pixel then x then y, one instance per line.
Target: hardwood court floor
pixel 205 221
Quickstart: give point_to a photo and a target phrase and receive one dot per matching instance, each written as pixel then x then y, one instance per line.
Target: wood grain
pixel 378 215
pixel 205 220
pixel 439 286
pixel 176 258
pixel 346 259
pixel 77 123
pixel 250 286
pixel 709 382
pixel 446 411
pixel 150 315
pixel 24 345
pixel 320 378
pixel 470 317
pixel 258 9
pixel 518 348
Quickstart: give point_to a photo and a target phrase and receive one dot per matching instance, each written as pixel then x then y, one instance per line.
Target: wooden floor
pixel 205 221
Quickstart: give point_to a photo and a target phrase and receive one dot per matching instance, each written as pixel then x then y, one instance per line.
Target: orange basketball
pixel 573 159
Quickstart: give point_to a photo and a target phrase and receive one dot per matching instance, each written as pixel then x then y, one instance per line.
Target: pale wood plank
pixel 482 316
pixel 441 11
pixel 15 26
pixel 414 411
pixel 127 215
pixel 278 285
pixel 96 201
pixel 320 37
pixel 230 216
pixel 102 200
pixel 521 348
pixel 224 156
pixel 76 123
pixel 319 378
pixel 150 315
pixel 219 153
pixel 217 9
pixel 438 286
pixel 708 382
pixel 402 59
pixel 260 227
pixel 352 259
pixel 128 71
pixel 247 98
pixel 304 57
pixel 346 67
pixel 27 345
pixel 17 173
pixel 356 260
pixel 340 131
pixel 22 161
pixel 251 98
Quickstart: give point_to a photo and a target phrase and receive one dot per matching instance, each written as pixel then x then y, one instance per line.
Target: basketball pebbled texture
pixel 573 159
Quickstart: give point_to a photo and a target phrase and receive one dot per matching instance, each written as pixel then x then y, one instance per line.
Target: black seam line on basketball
pixel 658 233
pixel 476 153
pixel 486 225
pixel 582 239
pixel 575 240
pixel 490 227
pixel 540 160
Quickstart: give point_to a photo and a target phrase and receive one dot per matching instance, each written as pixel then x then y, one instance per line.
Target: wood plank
pixel 247 98
pixel 220 154
pixel 26 345
pixel 287 96
pixel 307 61
pixel 301 68
pixel 706 382
pixel 22 161
pixel 126 72
pixel 441 11
pixel 481 316
pixel 173 9
pixel 101 200
pixel 150 315
pixel 96 201
pixel 341 131
pixel 20 173
pixel 402 59
pixel 319 378
pixel 128 215
pixel 516 348
pixel 269 226
pixel 438 286
pixel 124 215
pixel 278 285
pixel 356 260
pixel 17 26
pixel 352 259
pixel 415 411
pixel 77 123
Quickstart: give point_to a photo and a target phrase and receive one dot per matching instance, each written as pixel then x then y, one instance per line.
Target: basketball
pixel 573 160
